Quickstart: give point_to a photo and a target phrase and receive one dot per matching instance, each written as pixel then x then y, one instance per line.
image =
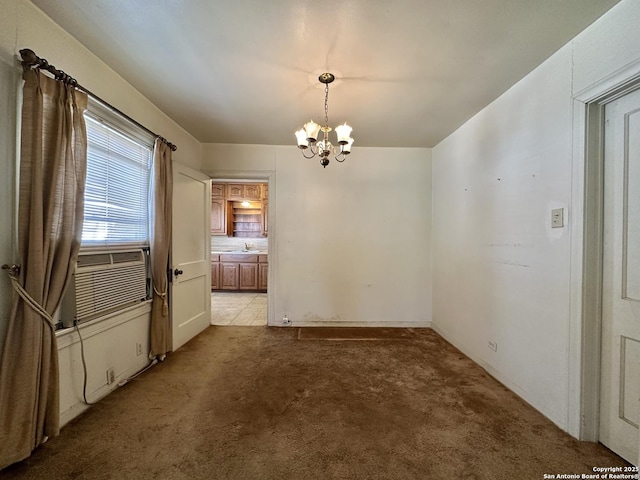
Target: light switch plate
pixel 557 218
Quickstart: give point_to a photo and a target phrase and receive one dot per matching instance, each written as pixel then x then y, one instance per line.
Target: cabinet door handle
pixel 177 272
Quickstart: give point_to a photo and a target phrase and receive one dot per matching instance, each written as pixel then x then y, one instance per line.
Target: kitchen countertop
pixel 239 252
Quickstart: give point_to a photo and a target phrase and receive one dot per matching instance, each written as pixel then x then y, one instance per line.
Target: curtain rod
pixel 31 60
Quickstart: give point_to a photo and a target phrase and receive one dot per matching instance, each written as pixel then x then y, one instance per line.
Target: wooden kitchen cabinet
pixel 218 217
pixel 218 190
pixel 263 276
pixel 235 191
pixel 215 272
pixel 239 209
pixel 239 191
pixel 247 221
pixel 229 276
pixel 239 272
pixel 248 276
pixel 253 191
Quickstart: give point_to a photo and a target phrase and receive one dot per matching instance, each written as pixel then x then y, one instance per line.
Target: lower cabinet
pixel 263 276
pixel 239 272
pixel 229 276
pixel 248 276
pixel 215 273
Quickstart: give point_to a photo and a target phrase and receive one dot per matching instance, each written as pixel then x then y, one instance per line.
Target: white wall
pixel 24 26
pixel 28 27
pixel 110 343
pixel 349 244
pixel 500 272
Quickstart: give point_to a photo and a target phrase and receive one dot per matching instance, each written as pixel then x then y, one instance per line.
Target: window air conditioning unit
pixel 104 283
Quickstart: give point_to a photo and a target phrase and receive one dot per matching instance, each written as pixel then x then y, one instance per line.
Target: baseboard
pixel 330 323
pixel 72 412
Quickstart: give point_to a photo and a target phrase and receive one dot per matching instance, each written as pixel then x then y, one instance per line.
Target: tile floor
pixel 238 308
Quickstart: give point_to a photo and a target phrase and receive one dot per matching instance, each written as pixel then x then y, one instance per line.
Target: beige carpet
pixel 252 403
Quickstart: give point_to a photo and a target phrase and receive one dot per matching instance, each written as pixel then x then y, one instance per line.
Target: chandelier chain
pixel 326 104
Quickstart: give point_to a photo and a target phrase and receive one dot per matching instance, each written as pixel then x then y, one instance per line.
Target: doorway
pixel 240 244
pixel 620 344
pixel 608 327
pixel 238 308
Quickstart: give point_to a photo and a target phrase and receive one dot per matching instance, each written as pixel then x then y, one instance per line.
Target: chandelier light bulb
pixel 343 132
pixel 301 136
pixel 312 129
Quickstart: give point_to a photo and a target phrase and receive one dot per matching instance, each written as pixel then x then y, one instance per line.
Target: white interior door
pixel 190 291
pixel 620 378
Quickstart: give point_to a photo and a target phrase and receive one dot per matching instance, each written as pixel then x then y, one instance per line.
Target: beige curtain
pixel 53 158
pixel 161 196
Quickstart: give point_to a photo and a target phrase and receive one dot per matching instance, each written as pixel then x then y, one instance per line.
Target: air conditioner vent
pixel 94 259
pixel 123 257
pixel 105 283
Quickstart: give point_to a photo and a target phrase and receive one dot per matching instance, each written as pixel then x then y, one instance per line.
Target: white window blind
pixel 116 209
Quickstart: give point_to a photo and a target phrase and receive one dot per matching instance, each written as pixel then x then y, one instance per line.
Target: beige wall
pixel 112 342
pixel 501 273
pixel 349 244
pixel 24 26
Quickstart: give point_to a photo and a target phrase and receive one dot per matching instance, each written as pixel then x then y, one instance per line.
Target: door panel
pixel 190 254
pixel 620 374
pixel 630 387
pixel 631 216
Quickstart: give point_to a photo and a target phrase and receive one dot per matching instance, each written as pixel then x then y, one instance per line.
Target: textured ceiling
pixel 409 72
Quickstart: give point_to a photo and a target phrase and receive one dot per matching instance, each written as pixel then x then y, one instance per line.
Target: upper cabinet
pixel 230 217
pixel 253 192
pixel 218 190
pixel 248 191
pixel 218 209
pixel 218 216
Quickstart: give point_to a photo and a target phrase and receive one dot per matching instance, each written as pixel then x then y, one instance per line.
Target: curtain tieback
pixel 28 299
pixel 165 304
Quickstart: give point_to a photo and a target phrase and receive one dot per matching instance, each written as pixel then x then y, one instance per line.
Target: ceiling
pixel 409 72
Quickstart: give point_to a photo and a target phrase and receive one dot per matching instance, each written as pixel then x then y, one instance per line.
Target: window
pixel 112 271
pixel 116 211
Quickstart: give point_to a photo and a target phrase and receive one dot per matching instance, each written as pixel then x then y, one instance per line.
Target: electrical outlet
pixel 493 346
pixel 138 349
pixel 111 376
pixel 285 320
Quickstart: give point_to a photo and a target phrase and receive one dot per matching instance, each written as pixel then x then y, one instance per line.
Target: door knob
pixel 177 272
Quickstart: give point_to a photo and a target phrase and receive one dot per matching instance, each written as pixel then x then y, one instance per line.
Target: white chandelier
pixel 307 136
